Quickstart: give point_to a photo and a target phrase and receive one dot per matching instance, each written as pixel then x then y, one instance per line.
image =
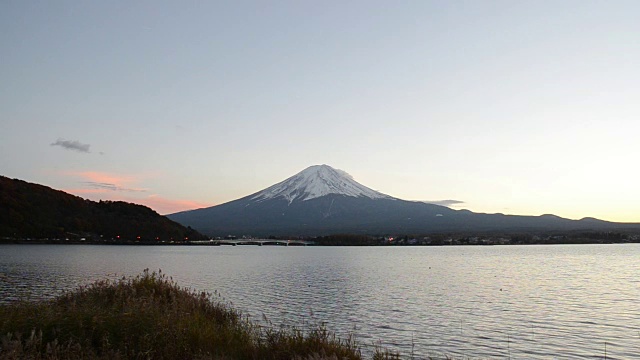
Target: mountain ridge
pixel 321 200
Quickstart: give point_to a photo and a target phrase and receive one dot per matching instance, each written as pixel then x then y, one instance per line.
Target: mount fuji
pixel 317 181
pixel 322 200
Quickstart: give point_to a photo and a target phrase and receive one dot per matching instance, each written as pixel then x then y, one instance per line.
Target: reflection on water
pixel 521 302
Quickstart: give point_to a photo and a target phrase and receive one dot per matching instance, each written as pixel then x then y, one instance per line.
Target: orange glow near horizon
pixel 122 188
pixel 80 192
pixel 102 177
pixel 169 206
pixel 156 202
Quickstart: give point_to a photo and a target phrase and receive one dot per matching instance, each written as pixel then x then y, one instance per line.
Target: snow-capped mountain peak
pixel 316 181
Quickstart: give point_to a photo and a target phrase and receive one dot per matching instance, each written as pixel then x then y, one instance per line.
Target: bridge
pixel 258 242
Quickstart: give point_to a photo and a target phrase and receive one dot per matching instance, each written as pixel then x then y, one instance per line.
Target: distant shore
pixel 551 238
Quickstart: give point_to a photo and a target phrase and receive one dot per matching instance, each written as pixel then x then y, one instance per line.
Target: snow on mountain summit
pixel 316 181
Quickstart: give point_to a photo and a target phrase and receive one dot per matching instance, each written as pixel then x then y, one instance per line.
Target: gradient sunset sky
pixel 518 107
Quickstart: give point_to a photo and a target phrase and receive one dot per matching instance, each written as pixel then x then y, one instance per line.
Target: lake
pixel 518 302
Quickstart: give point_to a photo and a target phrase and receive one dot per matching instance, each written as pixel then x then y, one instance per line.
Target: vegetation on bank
pixel 151 317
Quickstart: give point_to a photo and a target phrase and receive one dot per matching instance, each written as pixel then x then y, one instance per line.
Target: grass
pixel 151 317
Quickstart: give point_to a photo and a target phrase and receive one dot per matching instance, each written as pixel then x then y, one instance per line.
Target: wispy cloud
pixel 156 202
pixel 117 187
pixel 105 178
pixel 99 182
pixel 447 203
pixel 73 145
pixel 110 187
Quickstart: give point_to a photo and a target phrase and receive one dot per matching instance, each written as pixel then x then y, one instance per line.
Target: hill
pixel 30 210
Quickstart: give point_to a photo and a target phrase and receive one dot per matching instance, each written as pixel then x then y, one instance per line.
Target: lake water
pixel 518 302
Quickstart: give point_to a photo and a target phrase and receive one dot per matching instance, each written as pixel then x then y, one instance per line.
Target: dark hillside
pixel 34 211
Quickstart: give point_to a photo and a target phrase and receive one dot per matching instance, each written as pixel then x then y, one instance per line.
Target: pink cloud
pixel 102 177
pixel 96 180
pixel 156 202
pixel 105 186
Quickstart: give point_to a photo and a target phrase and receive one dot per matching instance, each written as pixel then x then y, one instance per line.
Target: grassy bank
pixel 151 317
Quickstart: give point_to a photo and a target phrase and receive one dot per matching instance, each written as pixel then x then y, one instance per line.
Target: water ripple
pixel 518 302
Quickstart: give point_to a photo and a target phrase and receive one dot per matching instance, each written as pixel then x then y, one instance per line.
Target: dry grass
pixel 151 317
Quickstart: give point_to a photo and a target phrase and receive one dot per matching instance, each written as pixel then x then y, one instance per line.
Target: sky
pixel 515 107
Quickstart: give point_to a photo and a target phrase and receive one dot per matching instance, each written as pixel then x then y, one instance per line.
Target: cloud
pixel 117 187
pixel 72 145
pixel 105 178
pixel 99 182
pixel 159 204
pixel 447 203
pixel 110 187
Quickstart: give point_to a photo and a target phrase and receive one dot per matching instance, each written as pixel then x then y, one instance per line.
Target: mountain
pixel 321 200
pixel 317 181
pixel 35 211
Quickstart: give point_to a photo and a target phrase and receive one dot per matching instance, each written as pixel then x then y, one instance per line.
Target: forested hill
pixel 35 211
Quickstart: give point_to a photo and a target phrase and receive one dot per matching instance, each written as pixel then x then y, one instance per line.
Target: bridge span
pixel 258 242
